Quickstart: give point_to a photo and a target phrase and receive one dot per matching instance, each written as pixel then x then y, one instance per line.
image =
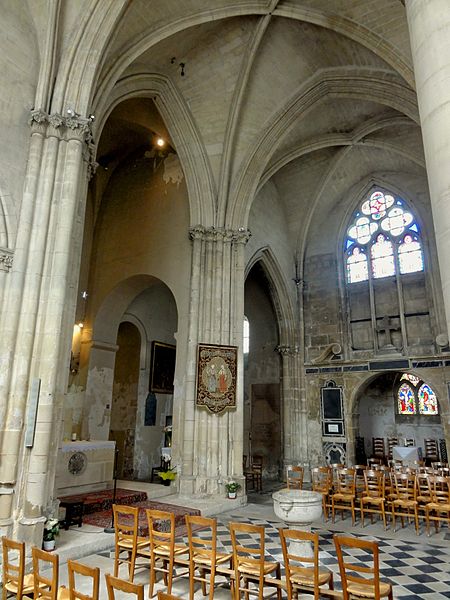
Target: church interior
pixel 224 234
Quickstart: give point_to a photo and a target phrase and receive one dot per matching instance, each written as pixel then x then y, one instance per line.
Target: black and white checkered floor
pixel 417 569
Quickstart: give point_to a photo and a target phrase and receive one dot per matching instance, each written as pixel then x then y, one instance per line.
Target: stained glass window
pixel 382 254
pixel 382 238
pixel 410 255
pixel 357 265
pixel 406 401
pixel 427 400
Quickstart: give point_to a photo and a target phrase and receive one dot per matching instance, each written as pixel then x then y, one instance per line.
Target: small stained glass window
pixel 410 255
pixel 406 402
pixel 427 400
pixel 246 336
pixel 382 254
pixel 357 265
pixel 396 221
pixel 362 230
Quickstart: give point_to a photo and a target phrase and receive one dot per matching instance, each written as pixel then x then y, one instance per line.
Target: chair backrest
pixel 248 555
pixel 114 584
pixel 391 441
pixel 378 447
pixel 126 524
pixel 346 481
pixel 204 546
pixel 374 461
pixel 77 570
pixel 161 530
pixel 296 564
pixel 45 587
pixel 349 569
pixel 164 596
pixel 374 483
pixel 405 486
pixel 410 442
pixel 294 477
pixel 13 563
pixel 439 488
pixel 431 448
pixel 321 478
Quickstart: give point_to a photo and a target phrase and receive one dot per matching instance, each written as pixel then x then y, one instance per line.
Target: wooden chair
pixel 438 509
pixel 164 596
pixel 76 570
pixel 203 553
pixel 247 472
pixel 344 496
pixel 410 442
pixel 257 465
pixel 431 450
pixel 163 466
pixel 45 587
pixel 14 579
pixel 368 584
pixel 321 480
pixel 294 477
pixel 373 499
pixel 126 525
pixel 162 550
pixel 391 442
pixel 404 503
pixel 423 495
pixel 249 561
pixel 298 573
pixel 378 450
pixel 114 584
pixel 359 479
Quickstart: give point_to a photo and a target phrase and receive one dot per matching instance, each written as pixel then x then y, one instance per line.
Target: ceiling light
pixel 160 142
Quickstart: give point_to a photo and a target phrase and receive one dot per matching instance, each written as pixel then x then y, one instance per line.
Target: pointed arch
pixel 182 128
pixel 279 293
pixel 362 84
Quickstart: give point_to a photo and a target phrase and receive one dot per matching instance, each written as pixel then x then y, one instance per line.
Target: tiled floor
pixel 418 566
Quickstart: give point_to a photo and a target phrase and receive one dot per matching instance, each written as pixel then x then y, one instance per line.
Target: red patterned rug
pixel 103 518
pixel 100 501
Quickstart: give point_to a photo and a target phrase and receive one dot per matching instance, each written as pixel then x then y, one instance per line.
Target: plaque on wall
pixel 332 409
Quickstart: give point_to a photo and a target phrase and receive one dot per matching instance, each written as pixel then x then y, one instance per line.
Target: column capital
pixel 215 234
pixel 72 127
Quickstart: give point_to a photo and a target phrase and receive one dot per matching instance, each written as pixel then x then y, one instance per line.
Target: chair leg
pixel 278 572
pixel 191 581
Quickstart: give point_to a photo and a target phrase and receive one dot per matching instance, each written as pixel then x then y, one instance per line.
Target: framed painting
pixel 216 377
pixel 162 368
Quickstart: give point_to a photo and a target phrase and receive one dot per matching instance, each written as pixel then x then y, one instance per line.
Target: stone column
pixel 429 29
pixel 38 322
pixel 211 444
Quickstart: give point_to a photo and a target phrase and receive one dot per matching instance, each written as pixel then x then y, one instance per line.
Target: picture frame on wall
pixel 216 377
pixel 162 368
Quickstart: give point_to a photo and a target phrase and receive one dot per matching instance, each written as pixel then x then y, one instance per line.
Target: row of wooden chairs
pixel 252 470
pixel 245 567
pixel 431 447
pixel 41 587
pixel 401 495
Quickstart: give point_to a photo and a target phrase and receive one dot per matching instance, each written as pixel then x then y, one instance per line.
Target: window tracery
pixel 385 226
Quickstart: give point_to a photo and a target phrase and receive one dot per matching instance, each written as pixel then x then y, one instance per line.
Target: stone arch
pixel 433 377
pixel 101 361
pixel 365 84
pixel 279 293
pixel 183 131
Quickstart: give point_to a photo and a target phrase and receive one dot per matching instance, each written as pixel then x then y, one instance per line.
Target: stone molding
pixel 72 127
pixel 6 259
pixel 213 234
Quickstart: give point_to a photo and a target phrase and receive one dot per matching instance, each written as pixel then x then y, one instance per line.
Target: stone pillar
pixel 211 444
pixel 429 29
pixel 37 322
